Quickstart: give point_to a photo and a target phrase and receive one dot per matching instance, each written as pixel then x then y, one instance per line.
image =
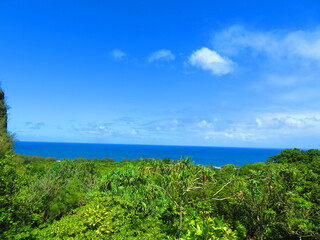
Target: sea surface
pixel 216 156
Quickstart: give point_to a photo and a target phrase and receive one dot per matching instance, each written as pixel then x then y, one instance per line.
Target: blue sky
pixel 211 73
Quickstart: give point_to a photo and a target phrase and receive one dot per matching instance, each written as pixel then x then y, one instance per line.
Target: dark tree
pixel 6 143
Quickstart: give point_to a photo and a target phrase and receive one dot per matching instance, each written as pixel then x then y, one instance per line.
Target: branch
pixel 212 198
pixel 192 188
pixel 163 189
pixel 222 188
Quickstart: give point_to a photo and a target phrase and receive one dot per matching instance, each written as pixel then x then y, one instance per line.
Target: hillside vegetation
pixel 160 199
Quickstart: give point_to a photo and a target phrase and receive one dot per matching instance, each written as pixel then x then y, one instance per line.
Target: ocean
pixel 216 156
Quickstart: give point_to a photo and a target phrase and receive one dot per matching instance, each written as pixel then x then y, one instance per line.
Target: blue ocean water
pixel 216 156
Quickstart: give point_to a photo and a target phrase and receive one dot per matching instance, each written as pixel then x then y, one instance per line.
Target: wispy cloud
pixel 294 120
pixel 205 124
pixel 134 132
pixel 284 62
pixel 118 54
pixel 161 55
pixel 286 128
pixel 166 125
pixel 107 130
pixel 94 129
pixel 35 126
pixel 277 43
pixel 210 60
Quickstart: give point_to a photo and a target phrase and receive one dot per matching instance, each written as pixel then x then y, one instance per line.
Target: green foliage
pixel 33 166
pixel 104 217
pixel 9 185
pixel 9 178
pixel 275 202
pixel 295 156
pixel 62 188
pixel 209 228
pixel 160 199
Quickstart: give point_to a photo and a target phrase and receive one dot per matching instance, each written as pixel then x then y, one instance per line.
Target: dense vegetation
pixel 160 199
pixel 41 198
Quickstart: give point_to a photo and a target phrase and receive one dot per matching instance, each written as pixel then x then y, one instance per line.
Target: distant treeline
pixel 22 158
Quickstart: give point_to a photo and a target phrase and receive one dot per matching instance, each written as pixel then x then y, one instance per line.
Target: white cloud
pixel 283 61
pixel 165 125
pixel 232 133
pixel 302 120
pixel 161 55
pixel 35 126
pixel 303 44
pixel 94 129
pixel 175 121
pixel 259 122
pixel 207 59
pixel 204 124
pixel 98 131
pixel 134 132
pixel 273 129
pixel 118 54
